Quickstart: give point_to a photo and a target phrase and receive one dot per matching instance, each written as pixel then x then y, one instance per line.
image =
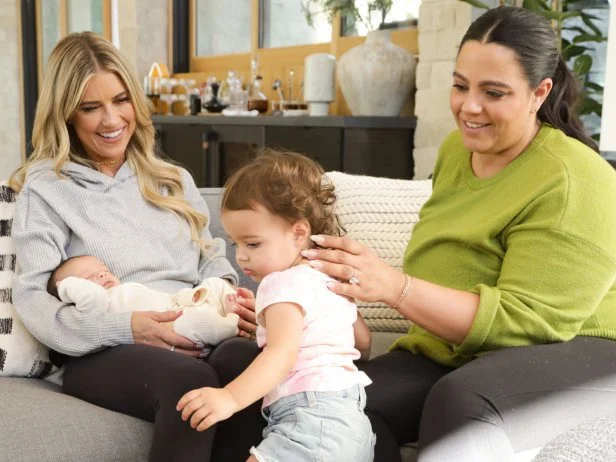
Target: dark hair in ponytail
pixel 534 42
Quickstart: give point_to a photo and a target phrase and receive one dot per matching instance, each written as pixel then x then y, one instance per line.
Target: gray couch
pixel 39 422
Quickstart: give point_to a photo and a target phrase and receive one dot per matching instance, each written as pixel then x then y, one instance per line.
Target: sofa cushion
pixel 41 423
pixel 381 213
pixel 20 353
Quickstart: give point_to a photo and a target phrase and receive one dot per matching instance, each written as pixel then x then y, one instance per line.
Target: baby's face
pixel 89 268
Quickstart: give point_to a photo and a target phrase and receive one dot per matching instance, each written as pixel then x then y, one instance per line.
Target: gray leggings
pixel 504 402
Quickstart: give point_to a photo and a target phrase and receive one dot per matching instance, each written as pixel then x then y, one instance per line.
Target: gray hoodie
pixel 89 213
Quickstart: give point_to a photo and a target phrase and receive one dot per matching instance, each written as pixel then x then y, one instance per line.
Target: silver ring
pixel 354 279
pixel 172 348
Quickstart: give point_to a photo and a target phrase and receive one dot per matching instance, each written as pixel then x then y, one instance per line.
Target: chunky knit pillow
pixel 20 353
pixel 381 213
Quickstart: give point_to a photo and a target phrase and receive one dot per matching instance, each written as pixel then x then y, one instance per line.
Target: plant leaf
pixel 582 65
pixel 557 16
pixel 576 28
pixel 590 16
pixel 573 50
pixel 588 21
pixel 588 38
pixel 535 5
pixel 477 3
pixel 594 87
pixel 590 106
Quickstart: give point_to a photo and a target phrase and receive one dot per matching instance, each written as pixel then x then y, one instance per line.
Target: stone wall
pixel 442 24
pixel 11 149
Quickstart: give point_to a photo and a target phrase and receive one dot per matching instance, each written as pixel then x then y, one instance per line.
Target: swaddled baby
pixel 86 282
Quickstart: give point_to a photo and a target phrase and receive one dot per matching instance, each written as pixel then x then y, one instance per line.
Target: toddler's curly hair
pixel 287 184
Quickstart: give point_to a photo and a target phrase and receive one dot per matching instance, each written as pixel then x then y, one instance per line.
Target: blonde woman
pixel 95 186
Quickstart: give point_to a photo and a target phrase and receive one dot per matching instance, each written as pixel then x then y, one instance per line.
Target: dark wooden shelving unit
pixel 211 147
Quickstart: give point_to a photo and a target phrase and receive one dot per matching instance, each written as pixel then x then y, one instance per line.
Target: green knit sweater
pixel 536 241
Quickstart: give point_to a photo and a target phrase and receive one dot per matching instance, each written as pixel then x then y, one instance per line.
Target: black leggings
pixel 147 382
pixel 504 402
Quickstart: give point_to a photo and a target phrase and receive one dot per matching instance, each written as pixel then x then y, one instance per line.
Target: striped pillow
pixel 20 353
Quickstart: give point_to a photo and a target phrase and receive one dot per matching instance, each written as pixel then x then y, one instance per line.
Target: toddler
pixel 86 282
pixel 313 394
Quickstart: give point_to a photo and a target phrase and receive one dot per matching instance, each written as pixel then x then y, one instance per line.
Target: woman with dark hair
pixel 509 275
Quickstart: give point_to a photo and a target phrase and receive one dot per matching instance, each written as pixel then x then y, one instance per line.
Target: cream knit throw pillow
pixel 20 353
pixel 381 213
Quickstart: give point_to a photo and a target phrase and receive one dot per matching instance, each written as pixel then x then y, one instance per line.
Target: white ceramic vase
pixel 376 77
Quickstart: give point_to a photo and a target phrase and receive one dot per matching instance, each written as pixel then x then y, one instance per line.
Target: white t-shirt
pixel 327 349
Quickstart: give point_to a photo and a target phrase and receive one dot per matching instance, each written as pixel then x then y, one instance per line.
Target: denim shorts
pixel 317 426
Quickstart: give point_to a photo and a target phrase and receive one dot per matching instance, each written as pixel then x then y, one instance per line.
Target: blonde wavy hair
pixel 73 61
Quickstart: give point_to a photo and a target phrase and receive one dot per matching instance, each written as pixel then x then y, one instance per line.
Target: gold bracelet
pixel 408 284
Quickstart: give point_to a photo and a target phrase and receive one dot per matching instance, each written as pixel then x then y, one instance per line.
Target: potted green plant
pixel 570 20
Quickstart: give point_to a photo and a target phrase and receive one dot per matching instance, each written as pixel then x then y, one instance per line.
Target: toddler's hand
pixel 206 406
pixel 243 304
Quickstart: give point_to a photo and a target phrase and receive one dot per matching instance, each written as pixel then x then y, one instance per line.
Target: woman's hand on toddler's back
pixel 149 329
pixel 361 273
pixel 243 304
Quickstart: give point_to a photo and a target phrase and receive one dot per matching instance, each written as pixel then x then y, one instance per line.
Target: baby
pixel 86 282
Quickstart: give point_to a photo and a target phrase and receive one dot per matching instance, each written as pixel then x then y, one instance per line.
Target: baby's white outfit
pixel 204 319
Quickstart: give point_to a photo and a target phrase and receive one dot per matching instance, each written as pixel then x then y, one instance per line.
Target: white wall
pixel 10 100
pixel 608 119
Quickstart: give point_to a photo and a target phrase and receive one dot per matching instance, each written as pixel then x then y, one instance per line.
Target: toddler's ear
pixel 301 231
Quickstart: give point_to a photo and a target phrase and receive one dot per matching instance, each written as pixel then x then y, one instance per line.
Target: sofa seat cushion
pixel 40 423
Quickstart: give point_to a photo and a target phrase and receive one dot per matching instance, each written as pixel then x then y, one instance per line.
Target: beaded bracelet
pixel 408 284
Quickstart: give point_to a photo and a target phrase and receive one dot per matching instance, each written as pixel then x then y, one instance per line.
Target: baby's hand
pixel 207 406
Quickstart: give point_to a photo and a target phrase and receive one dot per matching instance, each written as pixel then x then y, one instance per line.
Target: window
pixel 223 27
pixel 57 18
pixel 50 29
pixel 85 15
pixel 283 24
pixel 403 13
